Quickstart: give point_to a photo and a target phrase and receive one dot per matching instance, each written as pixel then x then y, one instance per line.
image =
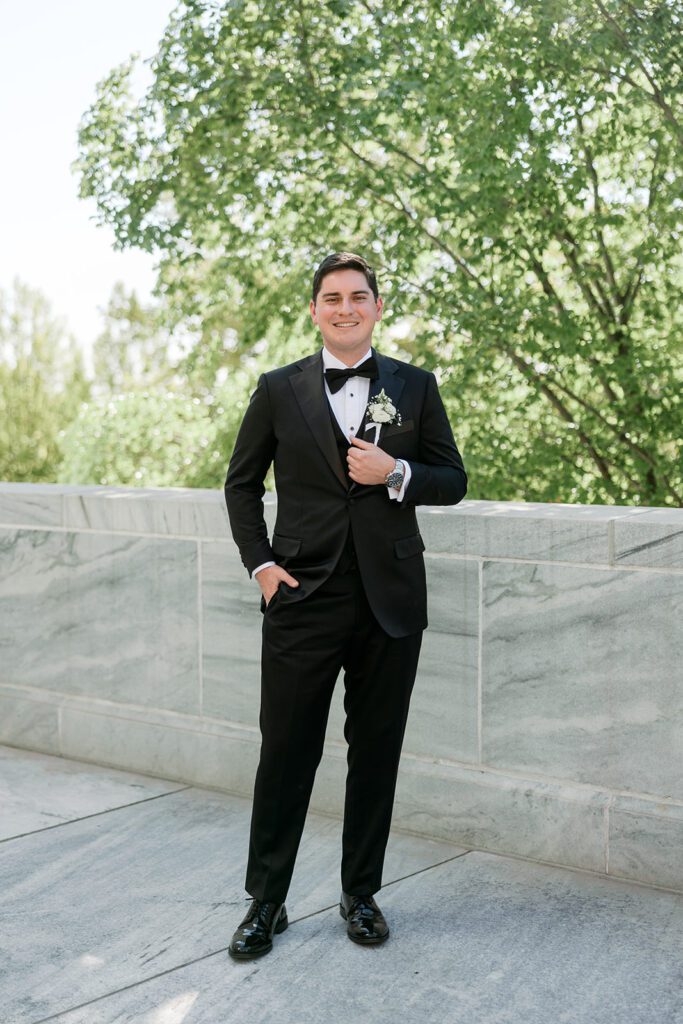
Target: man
pixel 357 440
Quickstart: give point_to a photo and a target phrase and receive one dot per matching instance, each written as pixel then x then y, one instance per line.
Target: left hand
pixel 368 464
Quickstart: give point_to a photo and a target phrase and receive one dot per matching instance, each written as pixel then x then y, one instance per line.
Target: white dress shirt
pixel 348 405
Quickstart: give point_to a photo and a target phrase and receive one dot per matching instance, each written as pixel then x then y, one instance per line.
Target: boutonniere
pixel 381 410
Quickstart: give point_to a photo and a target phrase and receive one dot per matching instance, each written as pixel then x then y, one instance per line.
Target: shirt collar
pixel 331 361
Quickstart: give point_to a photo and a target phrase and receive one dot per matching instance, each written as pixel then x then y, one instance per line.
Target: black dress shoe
pixel 254 936
pixel 365 921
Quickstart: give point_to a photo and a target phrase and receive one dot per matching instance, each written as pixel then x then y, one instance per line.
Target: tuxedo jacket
pixel 288 423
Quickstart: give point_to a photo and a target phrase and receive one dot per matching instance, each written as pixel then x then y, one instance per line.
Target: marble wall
pixel 546 720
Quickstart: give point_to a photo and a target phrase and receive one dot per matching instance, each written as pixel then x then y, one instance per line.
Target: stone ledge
pixel 645 537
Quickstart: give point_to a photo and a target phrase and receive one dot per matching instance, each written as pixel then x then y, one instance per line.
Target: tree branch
pixel 547 285
pixel 562 411
pixel 656 93
pixel 563 312
pixel 614 428
pixel 415 218
pixel 304 46
pixel 632 288
pixel 597 206
pixel 569 247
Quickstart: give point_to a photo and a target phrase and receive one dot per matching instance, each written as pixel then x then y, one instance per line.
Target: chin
pixel 350 342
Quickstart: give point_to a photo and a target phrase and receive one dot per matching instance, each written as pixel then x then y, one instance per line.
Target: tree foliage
pixel 513 171
pixel 42 383
pixel 140 438
pixel 133 348
pixel 174 435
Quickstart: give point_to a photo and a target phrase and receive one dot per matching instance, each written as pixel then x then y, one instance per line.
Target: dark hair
pixel 344 261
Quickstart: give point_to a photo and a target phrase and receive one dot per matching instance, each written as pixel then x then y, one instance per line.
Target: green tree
pixel 139 438
pixel 133 348
pixel 42 384
pixel 514 171
pixel 167 437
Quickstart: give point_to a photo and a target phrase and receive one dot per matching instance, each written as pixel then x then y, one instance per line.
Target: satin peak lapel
pixel 309 389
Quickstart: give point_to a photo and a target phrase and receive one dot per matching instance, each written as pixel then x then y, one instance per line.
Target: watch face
pixel 395 478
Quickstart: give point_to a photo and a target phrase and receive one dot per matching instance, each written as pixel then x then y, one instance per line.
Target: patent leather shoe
pixel 365 922
pixel 254 936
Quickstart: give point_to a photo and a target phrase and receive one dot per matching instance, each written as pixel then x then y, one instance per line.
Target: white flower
pixel 381 416
pixel 382 410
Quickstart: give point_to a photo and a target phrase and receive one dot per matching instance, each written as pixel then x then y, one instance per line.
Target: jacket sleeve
pixel 244 488
pixel 438 476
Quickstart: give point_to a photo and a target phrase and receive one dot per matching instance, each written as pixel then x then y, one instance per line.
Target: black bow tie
pixel 337 378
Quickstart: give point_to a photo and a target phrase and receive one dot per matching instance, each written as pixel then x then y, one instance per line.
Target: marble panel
pixel 106 902
pixel 453 601
pixel 180 511
pixel 30 504
pixel 186 749
pixel 653 538
pixel 114 617
pixel 231 636
pixel 490 811
pixel 478 940
pixel 443 719
pixel 39 791
pixel 543 531
pixel 645 841
pixel 581 675
pixel 28 721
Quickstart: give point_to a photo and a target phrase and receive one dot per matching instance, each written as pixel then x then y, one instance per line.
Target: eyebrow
pixel 357 291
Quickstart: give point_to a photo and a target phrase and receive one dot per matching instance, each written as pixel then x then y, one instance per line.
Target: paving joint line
pixel 95 814
pixel 224 949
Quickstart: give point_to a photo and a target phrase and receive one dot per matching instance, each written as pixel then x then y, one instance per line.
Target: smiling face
pixel 346 312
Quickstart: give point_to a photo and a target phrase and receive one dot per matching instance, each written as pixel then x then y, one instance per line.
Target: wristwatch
pixel 395 477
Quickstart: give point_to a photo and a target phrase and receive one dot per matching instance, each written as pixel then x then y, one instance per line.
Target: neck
pixel 349 357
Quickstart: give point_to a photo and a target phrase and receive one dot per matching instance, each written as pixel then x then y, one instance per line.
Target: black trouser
pixel 305 645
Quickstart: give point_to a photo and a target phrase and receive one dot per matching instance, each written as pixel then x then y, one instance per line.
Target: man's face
pixel 346 312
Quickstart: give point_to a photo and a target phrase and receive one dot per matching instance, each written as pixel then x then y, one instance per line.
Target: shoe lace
pixel 362 905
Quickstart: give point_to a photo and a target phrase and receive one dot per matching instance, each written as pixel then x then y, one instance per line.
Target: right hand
pixel 269 580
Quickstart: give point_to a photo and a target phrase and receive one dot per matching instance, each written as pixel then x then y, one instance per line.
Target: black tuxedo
pixel 288 422
pixel 361 603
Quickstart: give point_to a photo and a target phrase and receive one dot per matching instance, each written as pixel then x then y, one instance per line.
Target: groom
pixel 357 439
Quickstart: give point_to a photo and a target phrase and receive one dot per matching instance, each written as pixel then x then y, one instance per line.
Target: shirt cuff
pixel 394 493
pixel 263 565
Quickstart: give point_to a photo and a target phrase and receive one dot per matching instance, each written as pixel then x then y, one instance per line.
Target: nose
pixel 346 305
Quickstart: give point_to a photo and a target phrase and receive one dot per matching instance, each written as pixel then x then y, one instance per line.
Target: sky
pixel 51 57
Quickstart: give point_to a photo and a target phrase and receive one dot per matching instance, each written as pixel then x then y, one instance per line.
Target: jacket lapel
pixel 309 389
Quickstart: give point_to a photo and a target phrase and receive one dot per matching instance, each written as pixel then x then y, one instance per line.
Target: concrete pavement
pixel 119 893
